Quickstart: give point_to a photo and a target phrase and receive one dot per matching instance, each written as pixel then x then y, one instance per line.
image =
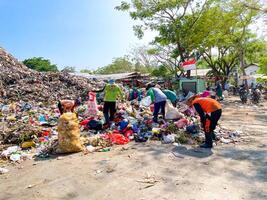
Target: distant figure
pixel 219 91
pixel 171 96
pixel 226 86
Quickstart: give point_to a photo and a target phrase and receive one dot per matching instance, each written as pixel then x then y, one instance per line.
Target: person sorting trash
pixel 68 105
pixel 112 92
pixel 171 96
pixel 210 112
pixel 134 94
pixel 159 100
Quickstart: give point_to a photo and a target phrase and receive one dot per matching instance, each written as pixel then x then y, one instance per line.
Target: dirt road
pixel 154 171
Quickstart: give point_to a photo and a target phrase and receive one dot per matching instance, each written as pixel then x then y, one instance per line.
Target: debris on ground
pixel 3 170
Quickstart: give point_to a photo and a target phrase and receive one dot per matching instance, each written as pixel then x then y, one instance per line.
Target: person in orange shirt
pixel 210 112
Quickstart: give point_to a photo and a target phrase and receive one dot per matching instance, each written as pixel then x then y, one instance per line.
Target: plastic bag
pixel 123 124
pixel 171 112
pixel 69 134
pixel 146 101
pixel 193 129
pixel 117 138
pixel 95 125
pixel 181 123
pixel 92 109
pixel 168 138
pixel 225 94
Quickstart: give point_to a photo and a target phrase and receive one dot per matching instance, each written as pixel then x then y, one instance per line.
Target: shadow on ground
pixel 192 152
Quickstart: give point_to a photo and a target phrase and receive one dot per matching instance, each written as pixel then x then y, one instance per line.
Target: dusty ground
pixel 152 171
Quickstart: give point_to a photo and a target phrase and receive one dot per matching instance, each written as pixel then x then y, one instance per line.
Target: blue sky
pixel 80 33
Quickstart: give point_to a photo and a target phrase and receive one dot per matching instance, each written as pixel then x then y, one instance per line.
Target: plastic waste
pixel 69 134
pixel 92 108
pixel 193 129
pixel 42 119
pixel 146 101
pixel 105 150
pixel 171 112
pixel 123 124
pixel 95 125
pixel 10 150
pixel 225 141
pixel 117 138
pixel 168 138
pixel 15 157
pixel 181 123
pixel 27 144
pixel 3 170
pixel 90 148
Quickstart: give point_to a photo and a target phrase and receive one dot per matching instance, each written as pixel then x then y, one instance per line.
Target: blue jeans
pixel 157 107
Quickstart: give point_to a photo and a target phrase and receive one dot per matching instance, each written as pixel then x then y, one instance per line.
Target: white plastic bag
pixel 171 112
pixel 146 101
pixel 167 139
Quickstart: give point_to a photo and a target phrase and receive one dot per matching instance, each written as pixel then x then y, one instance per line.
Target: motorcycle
pixel 243 94
pixel 255 95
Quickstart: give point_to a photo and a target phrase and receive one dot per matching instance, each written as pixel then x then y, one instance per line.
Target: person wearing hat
pixel 159 100
pixel 210 112
pixel 111 93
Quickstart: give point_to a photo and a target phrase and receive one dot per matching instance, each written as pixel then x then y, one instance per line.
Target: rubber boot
pixel 208 141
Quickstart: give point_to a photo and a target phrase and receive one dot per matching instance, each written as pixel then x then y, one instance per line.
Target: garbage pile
pixel 31 125
pixel 37 131
pixel 17 82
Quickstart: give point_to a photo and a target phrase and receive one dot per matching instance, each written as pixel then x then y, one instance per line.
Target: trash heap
pixel 31 127
pixel 34 130
pixel 17 82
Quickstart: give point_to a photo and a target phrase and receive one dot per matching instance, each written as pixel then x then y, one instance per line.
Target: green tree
pixel 69 69
pixel 211 29
pixel 87 71
pixel 174 21
pixel 162 72
pixel 256 52
pixel 40 64
pixel 118 65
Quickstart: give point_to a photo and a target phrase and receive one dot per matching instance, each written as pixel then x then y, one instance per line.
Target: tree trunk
pixel 242 66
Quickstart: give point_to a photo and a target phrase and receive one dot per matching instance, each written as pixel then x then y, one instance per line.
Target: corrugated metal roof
pixel 109 76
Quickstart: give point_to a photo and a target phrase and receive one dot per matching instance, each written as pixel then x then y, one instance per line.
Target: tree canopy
pixel 214 32
pixel 123 65
pixel 68 69
pixel 40 64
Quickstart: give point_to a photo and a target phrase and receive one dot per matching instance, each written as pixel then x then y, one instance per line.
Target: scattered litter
pixel 31 125
pixel 3 170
